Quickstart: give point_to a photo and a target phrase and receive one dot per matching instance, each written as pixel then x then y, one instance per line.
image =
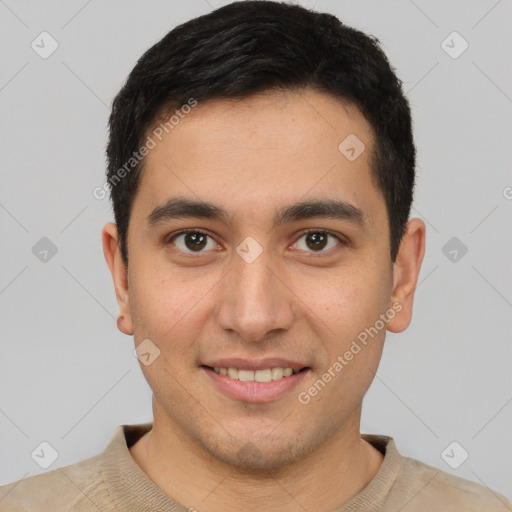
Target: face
pixel 284 264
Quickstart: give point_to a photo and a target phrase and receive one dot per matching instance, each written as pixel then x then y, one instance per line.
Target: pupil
pixel 195 240
pixel 318 240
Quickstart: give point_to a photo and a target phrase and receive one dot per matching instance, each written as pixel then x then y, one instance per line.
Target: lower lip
pixel 258 392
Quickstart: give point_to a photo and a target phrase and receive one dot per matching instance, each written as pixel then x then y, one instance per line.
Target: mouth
pixel 260 385
pixel 261 375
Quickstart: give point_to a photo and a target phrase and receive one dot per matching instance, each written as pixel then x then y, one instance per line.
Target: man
pixel 261 166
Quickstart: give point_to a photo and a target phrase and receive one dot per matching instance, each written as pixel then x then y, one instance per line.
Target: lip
pixel 255 364
pixel 256 392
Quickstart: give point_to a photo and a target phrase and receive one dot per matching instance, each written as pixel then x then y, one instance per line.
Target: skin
pixel 252 157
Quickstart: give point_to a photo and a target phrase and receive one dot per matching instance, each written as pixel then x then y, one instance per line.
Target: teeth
pixel 277 373
pixel 245 375
pixel 266 375
pixel 263 375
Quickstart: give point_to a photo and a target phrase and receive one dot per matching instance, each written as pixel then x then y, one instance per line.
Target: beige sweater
pixel 112 481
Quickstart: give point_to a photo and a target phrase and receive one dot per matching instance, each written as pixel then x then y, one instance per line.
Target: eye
pixel 193 241
pixel 317 241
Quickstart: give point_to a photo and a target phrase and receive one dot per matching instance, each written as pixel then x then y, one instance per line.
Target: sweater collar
pixel 131 489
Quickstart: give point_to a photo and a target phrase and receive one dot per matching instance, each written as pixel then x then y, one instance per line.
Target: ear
pixel 119 272
pixel 406 270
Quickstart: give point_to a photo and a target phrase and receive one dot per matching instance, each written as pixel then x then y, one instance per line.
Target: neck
pixel 323 481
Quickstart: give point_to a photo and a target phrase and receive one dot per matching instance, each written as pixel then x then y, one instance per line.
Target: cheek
pixel 353 343
pixel 168 315
pixel 346 300
pixel 158 304
pixel 170 308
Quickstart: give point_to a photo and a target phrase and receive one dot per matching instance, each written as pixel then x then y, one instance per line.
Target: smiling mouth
pixel 263 375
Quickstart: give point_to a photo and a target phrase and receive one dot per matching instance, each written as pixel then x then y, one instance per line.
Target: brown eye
pixel 317 241
pixel 193 241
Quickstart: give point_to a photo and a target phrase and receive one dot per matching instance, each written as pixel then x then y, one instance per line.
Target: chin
pixel 258 454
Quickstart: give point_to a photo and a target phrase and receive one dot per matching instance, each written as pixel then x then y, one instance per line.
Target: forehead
pixel 269 149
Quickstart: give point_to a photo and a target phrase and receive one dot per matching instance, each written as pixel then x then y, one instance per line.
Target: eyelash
pixel 341 240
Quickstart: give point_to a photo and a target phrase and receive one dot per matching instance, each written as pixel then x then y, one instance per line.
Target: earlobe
pixel 123 326
pixel 406 270
pixel 119 273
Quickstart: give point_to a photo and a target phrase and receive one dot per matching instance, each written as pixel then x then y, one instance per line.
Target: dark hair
pixel 249 47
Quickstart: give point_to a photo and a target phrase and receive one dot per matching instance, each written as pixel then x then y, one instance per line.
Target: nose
pixel 255 303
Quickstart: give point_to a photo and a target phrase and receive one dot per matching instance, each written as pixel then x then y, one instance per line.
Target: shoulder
pixel 420 487
pixel 77 487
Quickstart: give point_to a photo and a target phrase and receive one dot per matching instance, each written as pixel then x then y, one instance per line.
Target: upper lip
pixel 254 363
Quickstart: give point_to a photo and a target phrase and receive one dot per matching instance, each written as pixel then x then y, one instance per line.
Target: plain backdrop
pixel 68 377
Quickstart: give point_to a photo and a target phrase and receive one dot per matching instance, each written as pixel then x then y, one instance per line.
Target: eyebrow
pixel 180 207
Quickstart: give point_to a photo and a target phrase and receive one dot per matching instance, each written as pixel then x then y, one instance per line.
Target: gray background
pixel 68 377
